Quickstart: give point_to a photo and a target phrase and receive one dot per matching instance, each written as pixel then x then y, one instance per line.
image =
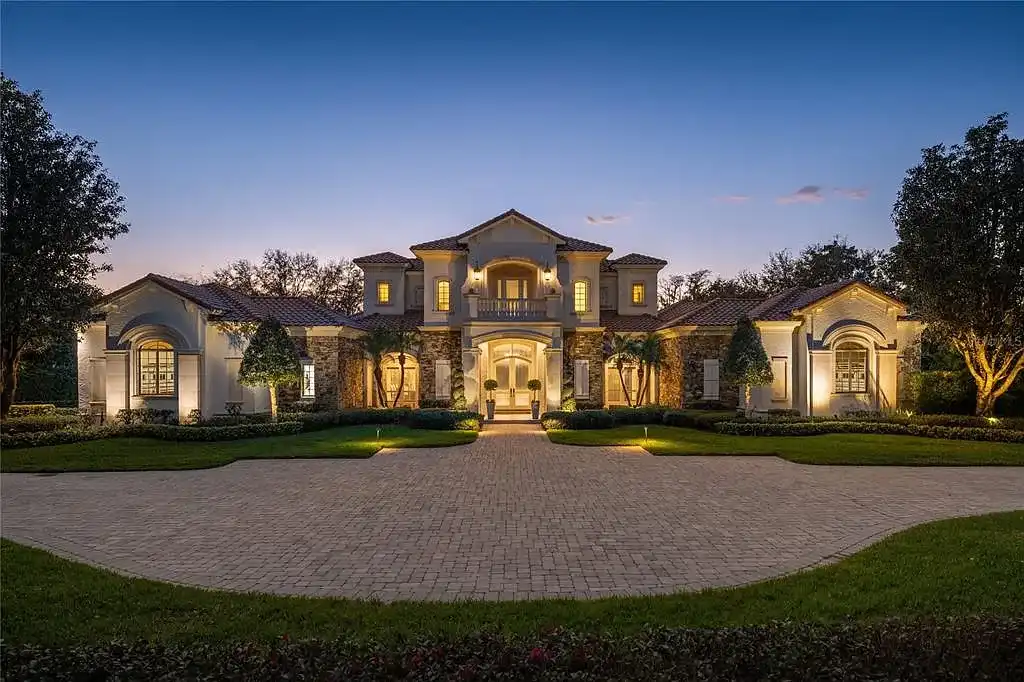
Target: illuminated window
pixel 443 296
pixel 638 293
pixel 308 380
pixel 851 365
pixel 156 368
pixel 383 293
pixel 581 296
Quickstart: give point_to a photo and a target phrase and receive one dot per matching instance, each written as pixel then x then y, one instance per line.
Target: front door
pixel 512 367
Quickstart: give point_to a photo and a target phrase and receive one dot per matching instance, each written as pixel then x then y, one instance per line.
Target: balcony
pixel 512 309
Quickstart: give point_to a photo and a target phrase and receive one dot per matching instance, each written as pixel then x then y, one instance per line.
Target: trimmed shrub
pixel 944 392
pixel 581 405
pixel 146 415
pixel 435 404
pixel 910 650
pixel 302 406
pixel 210 433
pixel 445 420
pixel 707 405
pixel 28 409
pixel 59 437
pixel 648 414
pixel 767 428
pixel 236 419
pixel 554 420
pixel 34 423
pixel 693 419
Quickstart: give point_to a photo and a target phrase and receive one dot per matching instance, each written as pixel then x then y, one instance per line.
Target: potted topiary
pixel 534 385
pixel 491 385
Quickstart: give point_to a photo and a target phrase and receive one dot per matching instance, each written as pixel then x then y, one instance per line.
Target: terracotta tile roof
pixel 382 258
pixel 229 305
pixel 720 311
pixel 679 309
pixel 614 322
pixel 606 266
pixel 638 259
pixel 408 321
pixel 416 264
pixel 452 243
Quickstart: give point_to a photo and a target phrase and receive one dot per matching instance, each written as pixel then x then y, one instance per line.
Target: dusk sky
pixel 708 135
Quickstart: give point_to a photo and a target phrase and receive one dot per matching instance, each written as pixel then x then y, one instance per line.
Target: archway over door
pixel 513 364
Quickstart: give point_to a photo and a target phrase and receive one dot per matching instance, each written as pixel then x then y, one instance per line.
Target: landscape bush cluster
pixel 913 650
pixel 790 423
pixel 29 409
pixel 232 427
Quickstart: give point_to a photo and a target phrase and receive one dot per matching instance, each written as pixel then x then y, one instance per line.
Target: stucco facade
pixel 510 300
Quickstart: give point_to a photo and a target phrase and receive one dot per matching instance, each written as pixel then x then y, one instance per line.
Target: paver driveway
pixel 511 516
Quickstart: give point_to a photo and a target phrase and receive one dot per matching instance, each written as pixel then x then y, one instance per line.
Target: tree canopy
pixel 58 210
pixel 746 361
pixel 271 360
pixel 337 284
pixel 959 219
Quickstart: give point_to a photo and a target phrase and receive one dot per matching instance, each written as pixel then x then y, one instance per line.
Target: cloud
pixel 809 194
pixel 733 199
pixel 852 193
pixel 606 219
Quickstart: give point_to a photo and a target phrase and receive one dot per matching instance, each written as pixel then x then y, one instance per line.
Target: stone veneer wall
pixel 580 345
pixel 908 365
pixel 670 375
pixel 338 368
pixel 682 371
pixel 442 345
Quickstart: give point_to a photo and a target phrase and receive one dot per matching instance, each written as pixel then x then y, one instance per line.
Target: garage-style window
pixel 156 368
pixel 851 365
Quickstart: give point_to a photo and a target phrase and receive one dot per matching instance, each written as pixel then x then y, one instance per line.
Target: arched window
pixel 851 368
pixel 156 368
pixel 393 379
pixel 581 296
pixel 443 295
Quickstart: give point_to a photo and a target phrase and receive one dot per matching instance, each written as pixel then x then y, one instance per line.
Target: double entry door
pixel 513 365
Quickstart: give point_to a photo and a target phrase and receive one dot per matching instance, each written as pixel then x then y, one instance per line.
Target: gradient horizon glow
pixel 708 135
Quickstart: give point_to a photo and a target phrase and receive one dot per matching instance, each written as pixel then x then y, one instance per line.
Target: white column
pixel 118 381
pixel 553 389
pixel 188 384
pixel 471 362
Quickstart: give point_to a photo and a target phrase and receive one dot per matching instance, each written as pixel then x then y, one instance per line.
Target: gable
pixel 511 227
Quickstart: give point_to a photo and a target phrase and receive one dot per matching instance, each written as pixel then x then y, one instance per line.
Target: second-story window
pixel 581 296
pixel 638 293
pixel 383 293
pixel 443 296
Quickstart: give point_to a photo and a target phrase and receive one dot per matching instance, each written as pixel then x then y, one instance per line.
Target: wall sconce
pixel 478 274
pixel 547 274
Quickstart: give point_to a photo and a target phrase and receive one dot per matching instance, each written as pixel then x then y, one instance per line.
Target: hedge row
pixel 767 428
pixel 157 431
pixel 965 648
pixel 34 423
pixel 440 420
pixel 26 409
pixel 603 419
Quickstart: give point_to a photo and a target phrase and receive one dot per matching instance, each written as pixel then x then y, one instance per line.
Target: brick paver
pixel 511 516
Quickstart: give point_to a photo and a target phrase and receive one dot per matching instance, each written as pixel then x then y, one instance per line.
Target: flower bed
pixel 910 650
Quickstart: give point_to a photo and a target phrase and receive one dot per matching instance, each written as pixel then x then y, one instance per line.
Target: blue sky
pixel 344 129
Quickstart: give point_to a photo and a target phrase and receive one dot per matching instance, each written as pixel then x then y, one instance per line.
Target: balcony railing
pixel 513 309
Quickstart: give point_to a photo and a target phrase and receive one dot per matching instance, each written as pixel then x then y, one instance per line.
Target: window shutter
pixel 581 378
pixel 711 379
pixel 780 379
pixel 442 379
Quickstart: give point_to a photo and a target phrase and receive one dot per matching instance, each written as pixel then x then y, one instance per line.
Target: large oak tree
pixel 59 207
pixel 960 222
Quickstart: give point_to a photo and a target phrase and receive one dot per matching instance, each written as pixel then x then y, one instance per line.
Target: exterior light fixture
pixel 478 274
pixel 547 274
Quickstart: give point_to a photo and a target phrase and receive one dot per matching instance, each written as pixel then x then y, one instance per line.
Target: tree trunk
pixel 273 402
pixel 8 380
pixel 986 402
pixel 622 380
pixel 378 381
pixel 401 379
pixel 747 409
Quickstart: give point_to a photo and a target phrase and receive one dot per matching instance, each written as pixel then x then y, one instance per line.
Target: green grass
pixel 832 448
pixel 958 566
pixel 145 454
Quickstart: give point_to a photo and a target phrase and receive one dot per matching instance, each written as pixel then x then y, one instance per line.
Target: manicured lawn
pixel 953 567
pixel 138 454
pixel 832 448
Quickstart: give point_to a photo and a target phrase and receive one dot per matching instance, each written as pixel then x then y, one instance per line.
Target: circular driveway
pixel 511 516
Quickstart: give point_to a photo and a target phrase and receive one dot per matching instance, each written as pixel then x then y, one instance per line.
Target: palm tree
pixel 648 354
pixel 402 342
pixel 376 343
pixel 622 349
